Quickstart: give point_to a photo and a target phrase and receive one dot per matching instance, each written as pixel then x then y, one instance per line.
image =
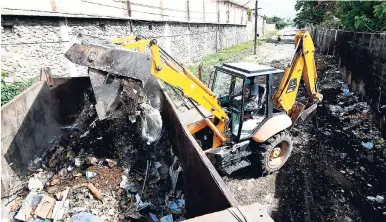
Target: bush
pixel 10 90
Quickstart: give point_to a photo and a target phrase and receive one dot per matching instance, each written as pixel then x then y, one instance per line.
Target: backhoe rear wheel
pixel 276 151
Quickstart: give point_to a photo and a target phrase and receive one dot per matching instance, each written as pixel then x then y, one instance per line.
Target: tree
pixel 280 22
pixel 349 15
pixel 311 13
pixel 363 16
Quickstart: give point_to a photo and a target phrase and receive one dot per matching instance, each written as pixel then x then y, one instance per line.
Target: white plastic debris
pixel 153 217
pixel 368 145
pixel 90 174
pixel 85 217
pixel 85 134
pixel 123 182
pixel 371 198
pixel 167 218
pixel 336 109
pixel 35 184
pixel 174 172
pixel 346 91
pixel 151 123
pixel 380 199
pixel 156 165
pixel 78 162
pixel 140 204
pixel 35 164
pixel 70 168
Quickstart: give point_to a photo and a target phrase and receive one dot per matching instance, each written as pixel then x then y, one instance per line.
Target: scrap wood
pixel 144 180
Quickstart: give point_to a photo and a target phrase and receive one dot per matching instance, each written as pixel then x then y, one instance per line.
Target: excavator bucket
pixel 303 112
pixel 108 64
pixel 309 112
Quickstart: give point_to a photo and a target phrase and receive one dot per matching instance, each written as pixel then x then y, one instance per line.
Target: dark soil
pixel 329 175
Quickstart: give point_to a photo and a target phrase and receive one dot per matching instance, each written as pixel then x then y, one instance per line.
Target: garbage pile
pixel 347 129
pixel 355 114
pixel 100 170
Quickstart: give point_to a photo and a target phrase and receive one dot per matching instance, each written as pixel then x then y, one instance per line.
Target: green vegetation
pixel 10 90
pixel 280 22
pixel 231 54
pixel 366 16
pixel 234 53
pixel 363 16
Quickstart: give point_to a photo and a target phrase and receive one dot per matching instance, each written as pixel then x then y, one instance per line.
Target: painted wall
pixel 208 11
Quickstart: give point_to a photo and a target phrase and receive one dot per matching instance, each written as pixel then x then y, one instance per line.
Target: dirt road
pixel 331 175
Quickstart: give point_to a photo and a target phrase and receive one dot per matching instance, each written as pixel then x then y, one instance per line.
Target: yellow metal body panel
pixel 302 66
pixel 287 96
pixel 190 86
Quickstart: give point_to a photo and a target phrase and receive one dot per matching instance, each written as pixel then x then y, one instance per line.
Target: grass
pixel 234 53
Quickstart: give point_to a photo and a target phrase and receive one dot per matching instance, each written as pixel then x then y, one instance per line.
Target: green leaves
pixel 10 90
pixel 280 23
pixel 313 12
pixel 364 16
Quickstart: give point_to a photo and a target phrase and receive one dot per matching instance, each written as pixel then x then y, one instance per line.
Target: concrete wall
pixel 208 11
pixel 251 26
pixel 362 62
pixel 29 43
pixel 270 27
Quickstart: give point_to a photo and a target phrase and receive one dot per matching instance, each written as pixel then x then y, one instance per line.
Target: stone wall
pixel 362 62
pixel 29 43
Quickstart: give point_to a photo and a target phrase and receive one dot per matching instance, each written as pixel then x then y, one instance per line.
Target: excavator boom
pixel 139 66
pixel 302 66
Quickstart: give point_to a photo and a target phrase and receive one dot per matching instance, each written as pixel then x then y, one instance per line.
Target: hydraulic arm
pixel 131 64
pixel 302 65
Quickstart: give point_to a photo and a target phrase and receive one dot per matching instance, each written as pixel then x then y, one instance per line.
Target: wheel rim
pixel 278 155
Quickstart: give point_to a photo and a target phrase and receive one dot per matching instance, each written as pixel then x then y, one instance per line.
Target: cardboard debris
pixel 45 207
pixel 26 209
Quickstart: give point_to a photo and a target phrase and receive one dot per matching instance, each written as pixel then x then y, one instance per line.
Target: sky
pixel 280 8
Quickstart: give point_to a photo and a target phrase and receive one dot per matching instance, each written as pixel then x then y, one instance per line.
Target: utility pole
pixel 256 15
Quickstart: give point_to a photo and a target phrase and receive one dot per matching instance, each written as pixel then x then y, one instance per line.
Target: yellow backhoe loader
pixel 236 116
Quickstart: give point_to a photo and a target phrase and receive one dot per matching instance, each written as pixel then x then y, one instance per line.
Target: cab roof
pixel 247 69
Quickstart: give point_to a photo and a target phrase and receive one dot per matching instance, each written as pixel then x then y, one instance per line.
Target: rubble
pixel 101 170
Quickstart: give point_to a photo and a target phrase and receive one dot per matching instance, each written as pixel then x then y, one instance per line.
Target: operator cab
pixel 245 92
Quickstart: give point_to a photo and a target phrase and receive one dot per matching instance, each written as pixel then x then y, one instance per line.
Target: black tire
pixel 270 158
